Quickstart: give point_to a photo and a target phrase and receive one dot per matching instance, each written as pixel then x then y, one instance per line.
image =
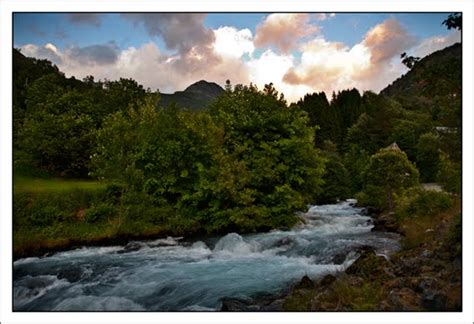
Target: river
pixel 177 275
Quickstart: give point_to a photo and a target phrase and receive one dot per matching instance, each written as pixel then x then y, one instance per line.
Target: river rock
pixel 130 247
pixel 305 283
pixel 327 280
pixel 339 258
pixel 284 241
pixel 367 263
pixel 404 300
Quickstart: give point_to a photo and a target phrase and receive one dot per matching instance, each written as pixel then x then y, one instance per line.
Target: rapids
pixel 176 275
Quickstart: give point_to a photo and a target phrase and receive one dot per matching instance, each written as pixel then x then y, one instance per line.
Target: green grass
pixel 35 185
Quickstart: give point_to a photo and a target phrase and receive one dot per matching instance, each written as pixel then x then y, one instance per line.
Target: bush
pixel 419 203
pixel 47 209
pixel 100 212
pixel 388 173
pixel 449 174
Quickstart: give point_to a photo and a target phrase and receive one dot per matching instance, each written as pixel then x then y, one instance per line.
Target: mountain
pixel 437 74
pixel 197 96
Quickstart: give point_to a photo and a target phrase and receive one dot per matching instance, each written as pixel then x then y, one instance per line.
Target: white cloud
pixel 232 42
pixel 324 16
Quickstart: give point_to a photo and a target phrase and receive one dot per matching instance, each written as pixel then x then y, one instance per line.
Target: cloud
pixel 85 18
pixel 180 31
pixel 232 42
pixel 327 66
pixel 369 65
pixel 185 33
pixel 387 40
pixel 316 64
pixel 147 64
pixel 95 54
pixel 284 31
pixel 101 54
pixel 48 51
pixel 324 16
pixel 432 44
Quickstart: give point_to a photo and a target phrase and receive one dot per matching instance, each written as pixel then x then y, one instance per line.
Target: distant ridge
pixel 196 97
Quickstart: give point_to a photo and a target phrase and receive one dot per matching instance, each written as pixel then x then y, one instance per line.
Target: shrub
pixel 419 203
pixel 388 174
pixel 100 212
pixel 449 174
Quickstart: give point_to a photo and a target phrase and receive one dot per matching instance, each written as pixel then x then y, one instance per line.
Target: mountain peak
pixel 196 96
pixel 204 86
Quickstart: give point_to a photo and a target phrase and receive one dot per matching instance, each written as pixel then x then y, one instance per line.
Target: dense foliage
pixel 249 160
pixel 249 164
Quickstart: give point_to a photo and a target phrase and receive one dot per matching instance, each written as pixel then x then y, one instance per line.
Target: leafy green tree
pixel 58 136
pixel 449 174
pixel 275 144
pixel 337 184
pixel 355 160
pixel 454 21
pixel 388 173
pixel 428 156
pixel 375 125
pixel 407 130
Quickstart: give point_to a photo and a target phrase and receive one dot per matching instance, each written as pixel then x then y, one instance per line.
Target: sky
pixel 299 52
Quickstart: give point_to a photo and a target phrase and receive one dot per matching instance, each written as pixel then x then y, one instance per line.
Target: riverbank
pixel 51 215
pixel 425 275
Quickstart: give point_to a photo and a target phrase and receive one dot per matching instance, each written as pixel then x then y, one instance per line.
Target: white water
pixel 173 275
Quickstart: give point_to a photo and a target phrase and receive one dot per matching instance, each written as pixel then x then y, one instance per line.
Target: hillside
pixel 439 73
pixel 197 96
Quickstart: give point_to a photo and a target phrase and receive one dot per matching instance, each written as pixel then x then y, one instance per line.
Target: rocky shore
pixel 425 275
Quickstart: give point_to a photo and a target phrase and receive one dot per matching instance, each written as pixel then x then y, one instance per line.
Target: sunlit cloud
pixel 284 31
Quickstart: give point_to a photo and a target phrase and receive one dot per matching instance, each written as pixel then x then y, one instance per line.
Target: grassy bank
pixel 56 214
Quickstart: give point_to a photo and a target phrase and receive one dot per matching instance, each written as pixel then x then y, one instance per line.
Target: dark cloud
pixel 184 33
pixel 95 54
pixel 85 18
pixel 180 31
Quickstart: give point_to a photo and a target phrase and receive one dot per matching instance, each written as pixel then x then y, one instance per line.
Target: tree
pixel 374 126
pixel 449 174
pixel 275 143
pixel 409 61
pixel 388 173
pixel 355 160
pixel 58 134
pixel 428 156
pixel 337 183
pixel 454 21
